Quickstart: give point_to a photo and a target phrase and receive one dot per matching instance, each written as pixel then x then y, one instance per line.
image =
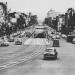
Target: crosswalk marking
pixel 37 41
pixel 27 42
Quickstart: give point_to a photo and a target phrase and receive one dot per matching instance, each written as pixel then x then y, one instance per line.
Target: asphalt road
pixel 64 65
pixel 28 59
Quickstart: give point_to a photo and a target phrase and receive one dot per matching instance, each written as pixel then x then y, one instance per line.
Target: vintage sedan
pixel 18 41
pixel 50 53
pixel 73 41
pixel 4 44
pixel 11 40
pixel 56 43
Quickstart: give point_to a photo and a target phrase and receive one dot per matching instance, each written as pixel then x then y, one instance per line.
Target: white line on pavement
pixel 28 42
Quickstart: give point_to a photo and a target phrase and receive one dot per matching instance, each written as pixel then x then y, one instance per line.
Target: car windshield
pixel 39 28
pixel 49 50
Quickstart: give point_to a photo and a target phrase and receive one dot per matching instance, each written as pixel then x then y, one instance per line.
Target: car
pixel 64 36
pixel 73 41
pixel 50 53
pixel 55 43
pixel 58 36
pixel 10 40
pixel 18 41
pixel 53 37
pixel 4 44
pixel 70 38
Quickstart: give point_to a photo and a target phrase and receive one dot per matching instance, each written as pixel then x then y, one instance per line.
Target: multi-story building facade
pixel 52 13
pixel 3 12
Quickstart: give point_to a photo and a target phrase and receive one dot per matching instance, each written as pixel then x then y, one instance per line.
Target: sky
pixel 40 7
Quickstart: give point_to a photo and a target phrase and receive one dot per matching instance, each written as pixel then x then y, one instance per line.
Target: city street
pixel 37 39
pixel 12 51
pixel 34 64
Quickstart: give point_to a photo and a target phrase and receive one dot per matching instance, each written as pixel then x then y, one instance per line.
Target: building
pixel 52 13
pixel 3 12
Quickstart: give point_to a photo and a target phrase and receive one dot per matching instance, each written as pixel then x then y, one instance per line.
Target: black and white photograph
pixel 37 37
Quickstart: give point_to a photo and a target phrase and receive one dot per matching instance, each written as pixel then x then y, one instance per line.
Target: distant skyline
pixel 40 7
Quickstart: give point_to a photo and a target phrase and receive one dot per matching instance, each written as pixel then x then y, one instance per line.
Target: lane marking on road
pixel 26 58
pixel 36 41
pixel 39 41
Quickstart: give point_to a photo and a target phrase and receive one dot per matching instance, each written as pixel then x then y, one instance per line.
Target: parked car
pixel 18 41
pixel 55 43
pixel 11 40
pixel 4 44
pixel 53 37
pixel 73 41
pixel 64 36
pixel 58 36
pixel 50 53
pixel 70 38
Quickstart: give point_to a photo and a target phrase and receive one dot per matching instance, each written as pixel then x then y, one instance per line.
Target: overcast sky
pixel 40 7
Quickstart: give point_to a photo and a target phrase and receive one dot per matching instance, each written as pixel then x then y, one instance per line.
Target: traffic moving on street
pixel 32 47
